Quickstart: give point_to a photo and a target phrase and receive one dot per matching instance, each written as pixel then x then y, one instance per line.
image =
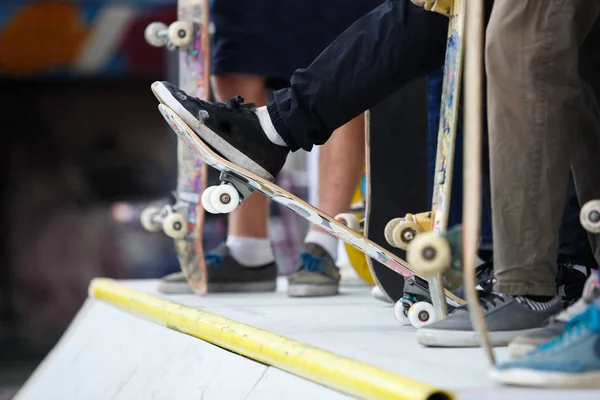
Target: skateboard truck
pixel 444 7
pixel 399 232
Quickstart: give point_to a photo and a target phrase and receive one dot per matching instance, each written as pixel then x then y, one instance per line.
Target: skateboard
pixel 184 220
pixel 419 234
pixel 238 183
pixel 472 165
pixel 357 208
pixel 398 122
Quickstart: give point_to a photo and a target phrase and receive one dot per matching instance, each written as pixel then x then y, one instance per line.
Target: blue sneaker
pixel 571 360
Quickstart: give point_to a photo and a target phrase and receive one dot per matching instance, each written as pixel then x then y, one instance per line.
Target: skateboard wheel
pixel 147 219
pixel 400 313
pixel 404 233
pixel 420 314
pixel 589 216
pixel 156 34
pixel 180 33
pixel 206 202
pixel 225 199
pixel 175 226
pixel 429 254
pixel 349 220
pixel 389 227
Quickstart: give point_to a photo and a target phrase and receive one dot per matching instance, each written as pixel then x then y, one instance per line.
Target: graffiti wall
pixel 80 38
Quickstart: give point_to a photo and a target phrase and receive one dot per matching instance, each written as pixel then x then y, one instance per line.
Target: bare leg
pixel 250 219
pixel 341 161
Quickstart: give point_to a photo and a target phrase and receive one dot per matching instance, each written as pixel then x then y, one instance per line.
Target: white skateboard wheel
pixel 429 254
pixel 156 34
pixel 389 227
pixel 400 313
pixel 225 199
pixel 404 233
pixel 349 220
pixel 421 313
pixel 180 33
pixel 206 202
pixel 175 226
pixel 589 216
pixel 147 219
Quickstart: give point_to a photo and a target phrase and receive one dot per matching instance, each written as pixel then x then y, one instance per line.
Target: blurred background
pixel 84 150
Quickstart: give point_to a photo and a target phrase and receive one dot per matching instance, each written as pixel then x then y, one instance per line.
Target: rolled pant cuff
pixel 525 289
pixel 280 127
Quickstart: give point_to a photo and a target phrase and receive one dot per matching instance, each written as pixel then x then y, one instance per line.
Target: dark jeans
pixel 377 55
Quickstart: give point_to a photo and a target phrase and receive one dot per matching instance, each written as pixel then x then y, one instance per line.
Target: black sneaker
pixel 317 274
pixel 225 274
pixel 232 129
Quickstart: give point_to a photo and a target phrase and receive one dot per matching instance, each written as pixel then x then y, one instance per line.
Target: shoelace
pixel 589 320
pixel 215 260
pixel 489 299
pixel 235 104
pixel 312 263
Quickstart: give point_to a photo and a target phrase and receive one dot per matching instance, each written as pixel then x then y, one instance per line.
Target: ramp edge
pixel 328 369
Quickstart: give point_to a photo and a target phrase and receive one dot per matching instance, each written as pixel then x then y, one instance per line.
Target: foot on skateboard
pixel 232 129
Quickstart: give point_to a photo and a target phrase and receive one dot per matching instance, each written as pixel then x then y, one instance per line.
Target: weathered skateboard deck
pixel 397 125
pixel 242 183
pixel 427 250
pixel 184 220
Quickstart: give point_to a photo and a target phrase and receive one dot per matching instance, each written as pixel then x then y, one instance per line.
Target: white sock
pixel 267 125
pixel 325 240
pixel 250 251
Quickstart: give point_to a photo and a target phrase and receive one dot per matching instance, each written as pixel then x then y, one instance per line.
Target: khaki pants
pixel 543 68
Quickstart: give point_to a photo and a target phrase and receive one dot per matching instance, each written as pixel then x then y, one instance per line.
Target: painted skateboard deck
pixel 425 251
pixel 246 182
pixel 396 125
pixel 184 220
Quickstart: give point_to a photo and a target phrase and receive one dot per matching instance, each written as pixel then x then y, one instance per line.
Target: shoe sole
pixel 447 338
pixel 533 378
pixel 306 290
pixel 214 140
pixel 242 287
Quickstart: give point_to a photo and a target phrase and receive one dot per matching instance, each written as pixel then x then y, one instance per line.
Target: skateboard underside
pixel 184 220
pixel 192 172
pixel 246 181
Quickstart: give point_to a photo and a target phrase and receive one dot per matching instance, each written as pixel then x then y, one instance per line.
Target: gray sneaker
pixel 225 274
pixel 317 274
pixel 556 326
pixel 506 316
pixel 174 283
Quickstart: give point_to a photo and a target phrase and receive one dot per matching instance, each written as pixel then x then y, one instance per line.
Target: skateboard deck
pixel 398 122
pixel 241 183
pixel 357 259
pixel 472 165
pixel 184 220
pixel 428 251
